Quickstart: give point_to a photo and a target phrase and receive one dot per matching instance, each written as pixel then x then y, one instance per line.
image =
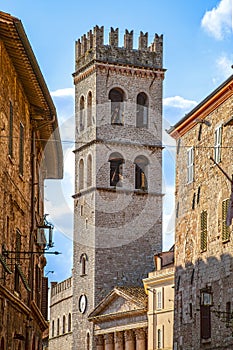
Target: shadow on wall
pixel 203 304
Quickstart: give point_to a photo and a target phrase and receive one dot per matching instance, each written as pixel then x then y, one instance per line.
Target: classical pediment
pixel 120 302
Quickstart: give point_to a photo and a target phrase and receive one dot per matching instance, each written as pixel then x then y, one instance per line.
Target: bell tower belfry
pixel 118 162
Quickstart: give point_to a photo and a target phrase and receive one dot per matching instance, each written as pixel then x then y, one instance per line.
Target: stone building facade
pixel 27 121
pixel 159 286
pixel 203 238
pixel 60 328
pixel 120 320
pixel 118 160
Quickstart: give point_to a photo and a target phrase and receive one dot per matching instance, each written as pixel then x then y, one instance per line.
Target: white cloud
pixel 218 21
pixel 63 92
pixel 224 64
pixel 179 102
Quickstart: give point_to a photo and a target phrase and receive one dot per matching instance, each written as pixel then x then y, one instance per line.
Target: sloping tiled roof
pixel 18 47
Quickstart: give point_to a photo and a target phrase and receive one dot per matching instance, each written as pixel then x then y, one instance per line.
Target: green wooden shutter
pixel 225 228
pixel 203 230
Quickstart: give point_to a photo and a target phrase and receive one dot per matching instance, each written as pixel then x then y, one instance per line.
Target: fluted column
pixel 99 342
pixel 140 339
pixel 109 341
pixel 119 341
pixel 129 340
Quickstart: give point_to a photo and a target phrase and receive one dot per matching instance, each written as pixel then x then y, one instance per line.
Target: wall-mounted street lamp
pixel 41 233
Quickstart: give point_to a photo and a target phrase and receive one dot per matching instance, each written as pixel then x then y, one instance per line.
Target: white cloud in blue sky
pixel 179 102
pixel 63 92
pixel 218 21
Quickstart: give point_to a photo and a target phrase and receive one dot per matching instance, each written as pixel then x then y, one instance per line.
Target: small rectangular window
pixel 200 132
pixel 228 314
pixel 217 144
pixel 190 165
pixel 203 230
pixel 21 148
pixel 10 141
pixel 225 228
pixel 159 299
pixel 160 337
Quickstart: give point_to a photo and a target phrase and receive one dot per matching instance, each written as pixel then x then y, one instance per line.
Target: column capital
pixel 129 335
pixel 119 337
pixel 99 340
pixel 108 338
pixel 140 334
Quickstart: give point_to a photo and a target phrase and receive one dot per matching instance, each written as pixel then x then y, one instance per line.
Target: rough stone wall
pixel 60 306
pixel 15 208
pixel 120 228
pixel 212 268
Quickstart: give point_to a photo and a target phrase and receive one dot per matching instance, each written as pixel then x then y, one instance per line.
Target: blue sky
pixel 197 55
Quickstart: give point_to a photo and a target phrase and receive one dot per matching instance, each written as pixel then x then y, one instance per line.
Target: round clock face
pixel 82 303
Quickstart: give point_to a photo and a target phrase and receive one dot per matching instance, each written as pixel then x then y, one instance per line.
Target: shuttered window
pixel 225 228
pixel 203 230
pixel 44 298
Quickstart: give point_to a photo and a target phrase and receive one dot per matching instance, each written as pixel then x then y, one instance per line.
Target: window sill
pixel 206 341
pixel 227 240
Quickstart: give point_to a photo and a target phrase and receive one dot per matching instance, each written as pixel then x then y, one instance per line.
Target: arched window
pixel 116 96
pixel 81 113
pixel 141 165
pixel 89 171
pixel 58 326
pixel 83 260
pixel 53 328
pixel 116 169
pixel 89 108
pixel 81 174
pixel 69 322
pixel 64 324
pixel 142 110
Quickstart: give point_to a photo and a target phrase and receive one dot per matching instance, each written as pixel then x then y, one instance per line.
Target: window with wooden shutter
pixel 217 144
pixel 44 299
pixel 225 228
pixel 203 230
pixel 205 322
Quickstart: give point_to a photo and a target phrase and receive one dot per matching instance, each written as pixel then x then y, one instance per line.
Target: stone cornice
pixel 106 68
pixel 129 326
pixel 117 315
pixel 14 300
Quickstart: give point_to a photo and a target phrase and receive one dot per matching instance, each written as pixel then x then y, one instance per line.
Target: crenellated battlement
pixel 91 47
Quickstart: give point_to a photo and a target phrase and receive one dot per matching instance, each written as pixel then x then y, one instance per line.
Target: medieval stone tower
pixel 118 159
